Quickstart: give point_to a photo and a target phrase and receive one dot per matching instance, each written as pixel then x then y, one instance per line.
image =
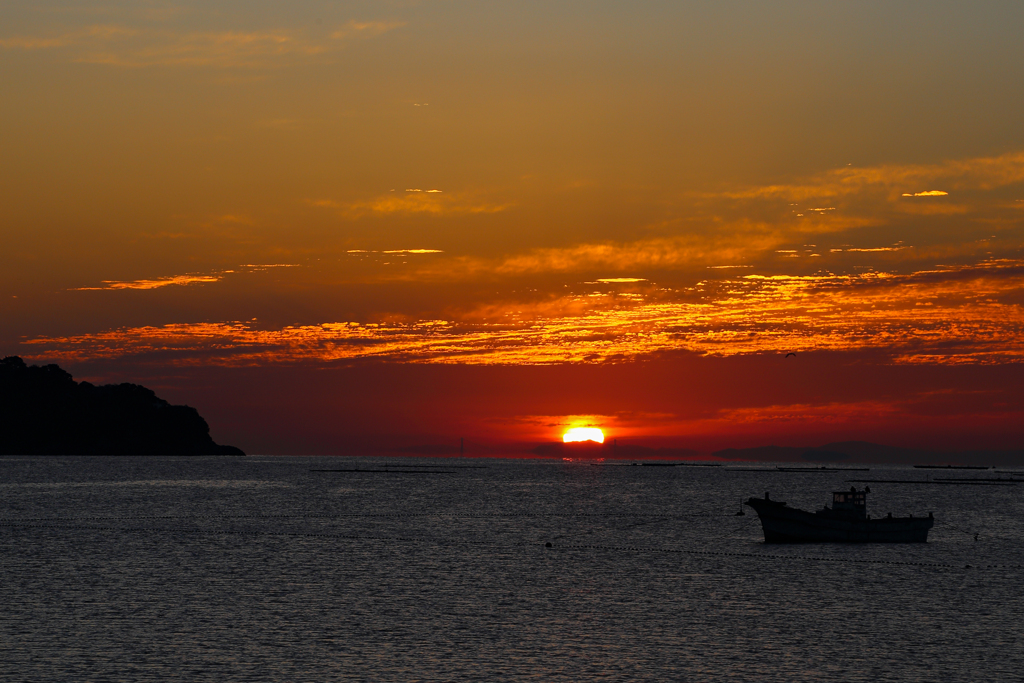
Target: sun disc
pixel 583 434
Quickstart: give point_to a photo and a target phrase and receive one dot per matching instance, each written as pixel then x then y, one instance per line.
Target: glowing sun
pixel 583 434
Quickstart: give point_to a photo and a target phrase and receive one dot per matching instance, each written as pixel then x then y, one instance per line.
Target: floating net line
pixel 547 546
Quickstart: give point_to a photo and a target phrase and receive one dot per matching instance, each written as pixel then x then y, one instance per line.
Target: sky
pixel 348 227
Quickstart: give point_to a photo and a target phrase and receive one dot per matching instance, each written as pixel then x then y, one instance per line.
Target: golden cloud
pixel 933 209
pixel 653 253
pixel 222 49
pixel 266 266
pixel 189 279
pixel 155 283
pixel 365 28
pixel 949 315
pixel 983 173
pixel 88 35
pixel 33 43
pixel 418 202
pixel 132 47
pixel 735 242
pixel 834 412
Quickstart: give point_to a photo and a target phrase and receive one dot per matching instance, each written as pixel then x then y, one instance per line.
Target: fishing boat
pixel 846 521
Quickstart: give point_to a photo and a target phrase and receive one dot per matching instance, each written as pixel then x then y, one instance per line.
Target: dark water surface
pixel 258 569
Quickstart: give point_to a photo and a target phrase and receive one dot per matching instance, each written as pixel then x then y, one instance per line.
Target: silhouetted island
pixel 866 452
pixel 43 411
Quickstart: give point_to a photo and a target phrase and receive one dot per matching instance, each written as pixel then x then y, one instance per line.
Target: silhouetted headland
pixel 44 411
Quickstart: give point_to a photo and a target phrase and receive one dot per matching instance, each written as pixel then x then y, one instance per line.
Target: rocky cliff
pixel 44 411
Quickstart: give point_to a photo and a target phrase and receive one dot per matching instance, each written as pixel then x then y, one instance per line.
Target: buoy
pixel 548 544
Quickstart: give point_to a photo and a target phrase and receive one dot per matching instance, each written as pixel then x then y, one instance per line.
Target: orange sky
pixel 337 226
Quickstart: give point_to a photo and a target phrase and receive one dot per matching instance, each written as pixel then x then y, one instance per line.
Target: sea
pixel 407 569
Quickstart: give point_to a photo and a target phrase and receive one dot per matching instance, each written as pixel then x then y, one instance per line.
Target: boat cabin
pixel 852 501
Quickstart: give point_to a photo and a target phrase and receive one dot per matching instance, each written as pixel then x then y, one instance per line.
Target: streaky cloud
pixel 980 173
pixel 139 47
pixel 155 283
pixel 420 202
pixel 952 315
pixel 354 28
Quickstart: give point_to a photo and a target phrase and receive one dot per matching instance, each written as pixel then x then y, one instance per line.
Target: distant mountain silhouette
pixel 864 451
pixel 43 411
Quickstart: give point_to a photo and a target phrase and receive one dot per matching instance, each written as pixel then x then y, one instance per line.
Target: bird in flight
pixel 791 353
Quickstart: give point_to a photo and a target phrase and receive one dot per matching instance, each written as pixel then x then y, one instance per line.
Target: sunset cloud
pixel 35 43
pixel 983 173
pixel 265 266
pixel 365 28
pixel 387 188
pixel 222 49
pixel 956 315
pixel 419 202
pixel 189 279
pixel 125 46
pixel 89 35
pixel 736 241
pixel 154 283
pixel 653 253
pixel 816 414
